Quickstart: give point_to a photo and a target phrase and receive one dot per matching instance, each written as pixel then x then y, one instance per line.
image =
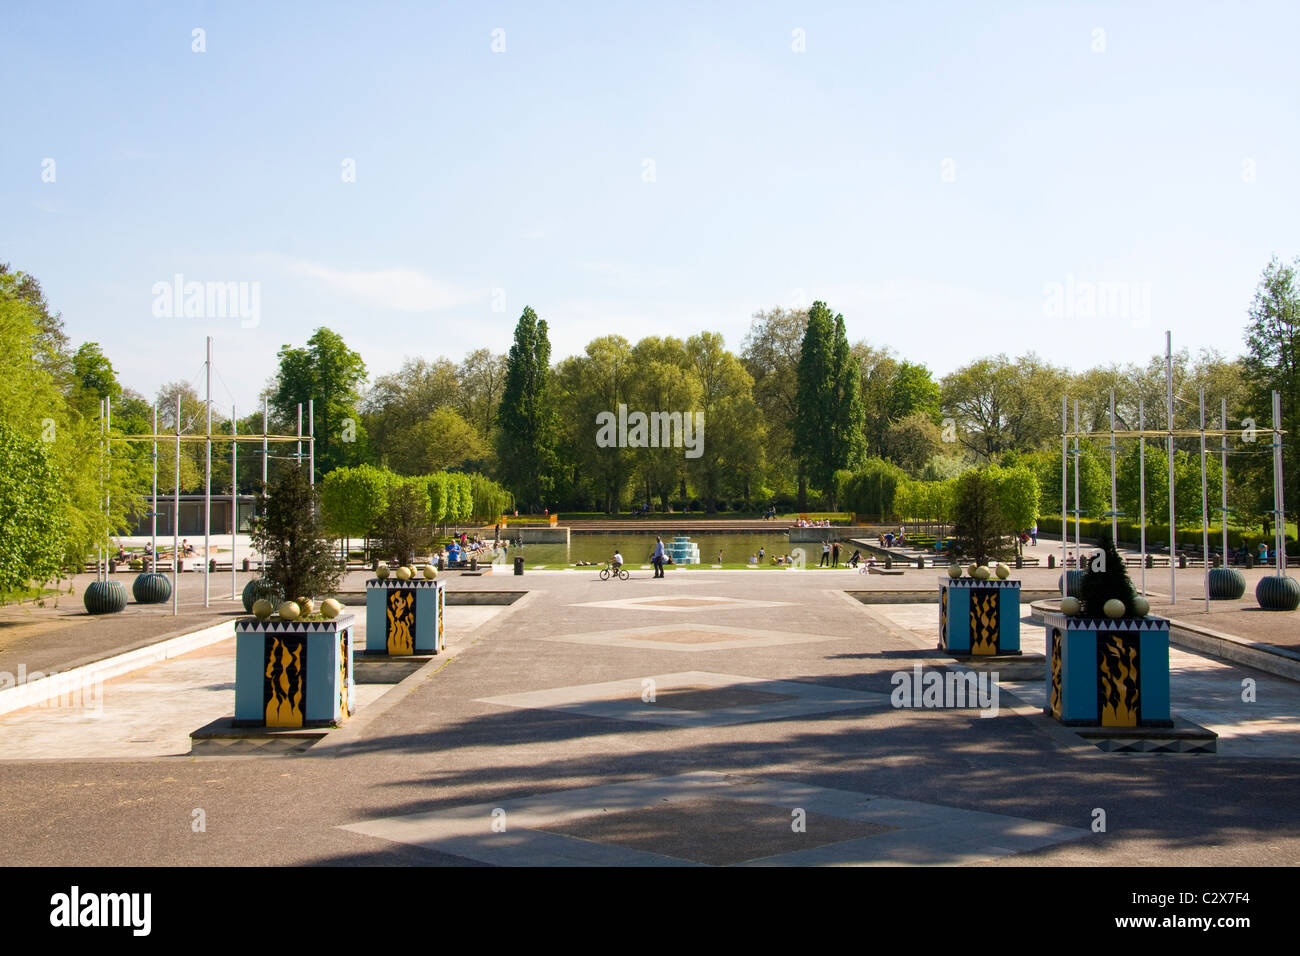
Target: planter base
pixel 1180 736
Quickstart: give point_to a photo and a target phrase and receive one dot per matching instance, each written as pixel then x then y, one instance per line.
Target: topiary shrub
pixel 1105 579
pixel 1278 593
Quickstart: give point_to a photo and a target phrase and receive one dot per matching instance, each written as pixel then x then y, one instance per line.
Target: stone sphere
pixel 306 606
pixel 262 609
pixel 290 611
pixel 1113 609
pixel 403 573
pixel 330 609
pixel 970 570
pixel 982 573
pixel 1141 606
pixel 1003 572
pixel 954 570
pixel 1070 606
pixel 381 570
pixel 430 572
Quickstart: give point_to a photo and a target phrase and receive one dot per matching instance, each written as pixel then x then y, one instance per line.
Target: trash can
pixel 519 565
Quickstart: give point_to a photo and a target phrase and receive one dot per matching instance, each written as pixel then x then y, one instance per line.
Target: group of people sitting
pixel 805 523
pixel 890 540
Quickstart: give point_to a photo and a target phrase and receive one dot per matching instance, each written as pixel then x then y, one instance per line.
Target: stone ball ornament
pixel 1003 572
pixel 1071 606
pixel 1113 609
pixel 262 609
pixel 289 611
pixel 381 570
pixel 1141 606
pixel 954 571
pixel 330 609
pixel 430 572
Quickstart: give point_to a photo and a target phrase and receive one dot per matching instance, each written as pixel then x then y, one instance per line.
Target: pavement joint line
pixel 48 687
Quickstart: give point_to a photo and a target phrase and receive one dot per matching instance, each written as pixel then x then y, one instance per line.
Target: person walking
pixel 1033 534
pixel 658 557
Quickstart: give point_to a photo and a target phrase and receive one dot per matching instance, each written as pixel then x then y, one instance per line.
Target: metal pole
pixel 153 526
pixel 1205 510
pixel 265 429
pixel 1279 492
pixel 176 516
pixel 108 452
pixel 1142 489
pixel 298 454
pixel 99 548
pixel 1223 471
pixel 1078 548
pixel 207 487
pixel 311 445
pixel 1065 477
pixel 1169 398
pixel 234 498
pixel 1114 515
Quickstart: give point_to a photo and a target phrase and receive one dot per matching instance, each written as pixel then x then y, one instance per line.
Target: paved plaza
pixel 715 717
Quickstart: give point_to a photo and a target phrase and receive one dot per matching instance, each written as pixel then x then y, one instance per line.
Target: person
pixel 826 555
pixel 762 553
pixel 855 558
pixel 658 558
pixel 835 554
pixel 1263 552
pixel 617 562
pixel 1033 534
pixel 753 559
pixel 121 552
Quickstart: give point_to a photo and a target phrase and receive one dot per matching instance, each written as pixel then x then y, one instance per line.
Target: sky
pixel 956 179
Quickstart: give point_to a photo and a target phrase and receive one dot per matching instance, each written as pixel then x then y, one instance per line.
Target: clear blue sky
pixel 928 169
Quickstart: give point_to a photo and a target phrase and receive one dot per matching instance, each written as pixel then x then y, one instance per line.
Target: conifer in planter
pixel 1108 664
pixel 293 671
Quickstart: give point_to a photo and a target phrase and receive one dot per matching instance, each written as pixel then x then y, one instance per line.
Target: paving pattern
pixel 593 723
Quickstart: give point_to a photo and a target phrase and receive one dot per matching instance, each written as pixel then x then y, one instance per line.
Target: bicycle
pixel 608 569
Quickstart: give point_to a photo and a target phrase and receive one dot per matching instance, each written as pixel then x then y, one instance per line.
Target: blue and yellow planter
pixel 979 618
pixel 1108 673
pixel 405 617
pixel 294 673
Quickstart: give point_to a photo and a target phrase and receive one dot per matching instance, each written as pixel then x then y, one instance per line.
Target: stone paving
pixel 753 730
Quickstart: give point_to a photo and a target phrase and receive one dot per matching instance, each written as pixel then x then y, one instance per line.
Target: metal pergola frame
pixel 1168 435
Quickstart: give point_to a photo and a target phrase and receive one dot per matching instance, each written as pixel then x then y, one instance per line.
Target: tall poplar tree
pixel 526 440
pixel 829 419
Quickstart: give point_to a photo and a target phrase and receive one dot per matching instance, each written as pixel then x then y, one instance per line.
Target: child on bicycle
pixel 617 563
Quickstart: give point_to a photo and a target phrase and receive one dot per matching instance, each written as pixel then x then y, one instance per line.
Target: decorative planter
pixel 294 673
pixel 1109 673
pixel 257 589
pixel 105 597
pixel 151 588
pixel 979 618
pixel 1278 593
pixel 1075 582
pixel 1226 584
pixel 404 617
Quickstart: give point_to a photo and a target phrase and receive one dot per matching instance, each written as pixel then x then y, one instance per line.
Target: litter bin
pixel 519 565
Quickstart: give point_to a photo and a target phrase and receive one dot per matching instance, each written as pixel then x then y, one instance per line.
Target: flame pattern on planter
pixel 404 617
pixel 294 673
pixel 1108 673
pixel 979 618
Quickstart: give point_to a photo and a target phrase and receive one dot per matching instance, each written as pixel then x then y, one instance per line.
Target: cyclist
pixel 618 562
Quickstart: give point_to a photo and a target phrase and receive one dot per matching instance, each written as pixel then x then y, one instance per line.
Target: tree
pixel 828 424
pixel 526 418
pixel 291 536
pixel 912 441
pixel 353 500
pixel 329 374
pixel 442 440
pixel 406 524
pixel 981 530
pixel 33 520
pixel 770 354
pixel 481 377
pixel 1272 363
pixel 999 404
pixel 401 400
pixel 730 457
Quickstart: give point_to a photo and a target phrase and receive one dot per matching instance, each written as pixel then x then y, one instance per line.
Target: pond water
pixel 636 548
